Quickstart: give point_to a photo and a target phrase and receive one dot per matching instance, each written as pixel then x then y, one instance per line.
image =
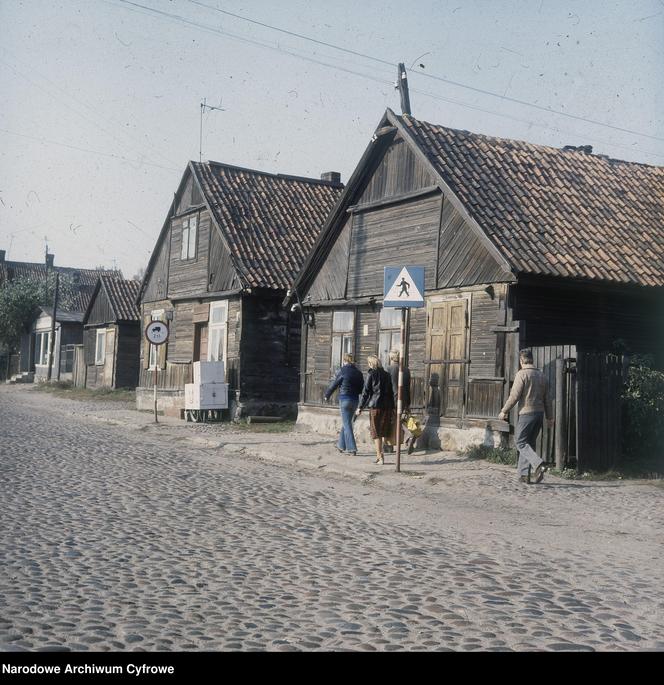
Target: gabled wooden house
pixel 523 246
pixel 112 335
pixel 233 241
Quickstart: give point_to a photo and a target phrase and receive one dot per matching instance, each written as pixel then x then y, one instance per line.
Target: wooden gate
pixel 600 378
pixel 586 389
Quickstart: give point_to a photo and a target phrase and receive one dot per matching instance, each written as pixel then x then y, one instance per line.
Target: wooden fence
pixel 600 378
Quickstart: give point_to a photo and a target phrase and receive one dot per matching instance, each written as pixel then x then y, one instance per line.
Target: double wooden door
pixel 446 356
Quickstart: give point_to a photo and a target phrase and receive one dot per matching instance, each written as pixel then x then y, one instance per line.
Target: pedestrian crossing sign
pixel 403 286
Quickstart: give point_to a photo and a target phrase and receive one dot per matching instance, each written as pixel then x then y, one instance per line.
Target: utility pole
pixel 402 87
pixel 205 106
pixel 51 341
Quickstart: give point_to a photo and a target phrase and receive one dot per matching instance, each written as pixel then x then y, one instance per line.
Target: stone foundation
pixel 327 421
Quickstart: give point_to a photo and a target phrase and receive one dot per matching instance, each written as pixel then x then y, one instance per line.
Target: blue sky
pixel 101 98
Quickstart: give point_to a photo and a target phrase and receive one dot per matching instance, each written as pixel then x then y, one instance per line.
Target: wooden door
pixel 446 346
pixel 201 342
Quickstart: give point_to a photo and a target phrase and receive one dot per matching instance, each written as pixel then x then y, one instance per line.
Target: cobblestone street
pixel 119 539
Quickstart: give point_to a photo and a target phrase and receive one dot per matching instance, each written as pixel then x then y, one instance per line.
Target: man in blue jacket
pixel 350 381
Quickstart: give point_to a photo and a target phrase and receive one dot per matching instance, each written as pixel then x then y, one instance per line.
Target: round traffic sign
pixel 157 332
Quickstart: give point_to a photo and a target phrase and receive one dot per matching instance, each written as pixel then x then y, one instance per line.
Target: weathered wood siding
pixel 189 276
pixel 181 337
pixel 319 352
pixel 189 195
pixel 269 351
pixel 156 287
pixel 330 283
pixel 398 172
pixel 127 355
pixel 590 318
pixel 393 235
pixel 101 311
pixel 100 375
pixel 462 258
pixel 221 272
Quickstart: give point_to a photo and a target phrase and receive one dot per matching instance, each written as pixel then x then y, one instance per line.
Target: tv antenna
pixel 204 106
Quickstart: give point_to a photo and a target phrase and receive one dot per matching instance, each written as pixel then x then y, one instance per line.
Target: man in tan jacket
pixel 530 390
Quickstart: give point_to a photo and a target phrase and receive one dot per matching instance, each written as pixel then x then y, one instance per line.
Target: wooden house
pixel 233 241
pixel 112 335
pixel 32 359
pixel 523 246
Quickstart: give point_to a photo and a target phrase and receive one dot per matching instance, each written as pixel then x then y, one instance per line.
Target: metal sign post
pixel 156 333
pixel 400 387
pixel 403 288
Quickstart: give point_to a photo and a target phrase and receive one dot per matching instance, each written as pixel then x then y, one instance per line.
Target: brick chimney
pixel 49 259
pixel 331 177
pixel 2 256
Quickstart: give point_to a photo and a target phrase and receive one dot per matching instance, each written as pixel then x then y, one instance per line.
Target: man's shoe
pixel 524 479
pixel 353 453
pixel 338 449
pixel 539 473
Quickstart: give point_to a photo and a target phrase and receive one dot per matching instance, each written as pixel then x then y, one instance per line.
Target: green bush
pixel 496 455
pixel 643 411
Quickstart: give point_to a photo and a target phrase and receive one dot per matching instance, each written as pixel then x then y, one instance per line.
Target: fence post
pixel 560 419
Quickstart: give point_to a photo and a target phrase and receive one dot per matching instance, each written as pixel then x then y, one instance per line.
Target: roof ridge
pixel 539 146
pixel 287 177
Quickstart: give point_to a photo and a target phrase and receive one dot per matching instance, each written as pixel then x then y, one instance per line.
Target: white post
pixel 154 375
pixel 400 387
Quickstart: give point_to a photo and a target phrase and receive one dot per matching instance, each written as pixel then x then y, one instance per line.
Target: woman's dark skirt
pixel 380 423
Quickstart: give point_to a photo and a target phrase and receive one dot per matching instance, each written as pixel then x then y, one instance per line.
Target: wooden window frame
pixel 42 336
pixel 100 333
pixel 189 226
pixel 344 336
pixel 214 327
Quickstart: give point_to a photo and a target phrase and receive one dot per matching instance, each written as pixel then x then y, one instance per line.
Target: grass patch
pixel 495 455
pixel 66 390
pixel 277 427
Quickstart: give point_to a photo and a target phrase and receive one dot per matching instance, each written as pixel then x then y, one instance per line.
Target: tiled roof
pixel 122 296
pixel 270 222
pixel 87 278
pixel 554 212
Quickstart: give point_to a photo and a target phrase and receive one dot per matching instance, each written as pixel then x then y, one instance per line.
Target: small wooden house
pixel 112 335
pixel 233 241
pixel 523 246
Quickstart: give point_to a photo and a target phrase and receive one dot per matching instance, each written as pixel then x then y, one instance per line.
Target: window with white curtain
pixel 217 331
pixel 100 347
pixel 390 333
pixel 188 245
pixel 42 341
pixel 342 338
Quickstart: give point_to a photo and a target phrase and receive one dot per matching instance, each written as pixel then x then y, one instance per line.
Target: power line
pixel 431 76
pixel 73 109
pixel 250 41
pixel 533 123
pixel 81 149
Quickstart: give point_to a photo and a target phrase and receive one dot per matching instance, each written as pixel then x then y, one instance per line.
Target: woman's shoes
pixel 380 460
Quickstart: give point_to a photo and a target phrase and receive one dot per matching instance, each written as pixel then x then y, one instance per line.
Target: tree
pixel 21 298
pixel 19 301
